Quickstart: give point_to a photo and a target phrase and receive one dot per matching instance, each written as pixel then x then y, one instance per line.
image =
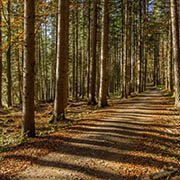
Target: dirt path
pixel 132 137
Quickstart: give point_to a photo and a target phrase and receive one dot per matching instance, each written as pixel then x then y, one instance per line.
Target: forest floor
pixel 130 138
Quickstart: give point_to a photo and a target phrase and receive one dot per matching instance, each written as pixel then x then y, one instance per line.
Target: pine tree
pixel 104 56
pixel 176 50
pixel 28 127
pixel 62 61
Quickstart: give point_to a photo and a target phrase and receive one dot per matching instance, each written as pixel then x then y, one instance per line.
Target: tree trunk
pixel 62 61
pixel 28 127
pixel 9 82
pixel 84 53
pixel 89 48
pixel 104 56
pixel 156 60
pixel 169 64
pixel 128 48
pixel 145 42
pixel 92 99
pixel 19 76
pixel 176 50
pixel 0 59
pixel 140 49
pixel 77 50
pixel 73 56
pixel 123 49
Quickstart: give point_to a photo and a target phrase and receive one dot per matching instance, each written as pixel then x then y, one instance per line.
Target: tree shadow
pixel 4 177
pixel 136 123
pixel 76 168
pixel 121 138
pixel 131 128
pixel 111 145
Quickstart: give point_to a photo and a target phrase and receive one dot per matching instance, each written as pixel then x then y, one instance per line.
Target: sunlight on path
pixel 133 138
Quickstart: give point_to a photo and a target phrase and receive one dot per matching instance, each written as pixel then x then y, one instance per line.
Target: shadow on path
pixel 122 145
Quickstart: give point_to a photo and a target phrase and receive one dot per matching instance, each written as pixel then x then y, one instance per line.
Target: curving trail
pixel 128 139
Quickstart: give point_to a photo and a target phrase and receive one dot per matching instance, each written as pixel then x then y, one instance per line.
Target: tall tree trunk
pixel 53 65
pixel 19 76
pixel 123 49
pixel 128 48
pixel 156 60
pixel 28 73
pixel 77 49
pixel 98 57
pixel 176 50
pixel 104 56
pixel 54 71
pixel 145 43
pixel 134 50
pixel 169 64
pixel 125 52
pixel 62 61
pixel 45 64
pixel 73 55
pixel 9 100
pixel 84 53
pixel 140 49
pixel 40 70
pixel 80 69
pixel 0 59
pixel 92 99
pixel 89 48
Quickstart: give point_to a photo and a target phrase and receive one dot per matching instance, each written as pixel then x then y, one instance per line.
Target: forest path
pixel 130 138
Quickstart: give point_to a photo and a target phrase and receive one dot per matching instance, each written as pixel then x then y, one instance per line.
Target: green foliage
pixel 164 148
pixel 173 158
pixel 1 158
pixel 117 94
pixel 53 129
pixel 173 95
pixel 95 107
pixel 8 140
pixel 1 149
pixel 160 87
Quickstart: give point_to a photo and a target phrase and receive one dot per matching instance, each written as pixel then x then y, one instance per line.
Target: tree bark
pixel 28 127
pixel 122 49
pixel 73 56
pixel 140 49
pixel 176 50
pixel 128 48
pixel 0 59
pixel 169 64
pixel 104 56
pixel 62 61
pixel 89 48
pixel 93 55
pixel 77 49
pixel 8 55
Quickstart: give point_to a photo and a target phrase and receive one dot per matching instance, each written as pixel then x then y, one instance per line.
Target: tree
pixel 88 47
pixel 92 99
pixel 104 56
pixel 169 64
pixel 62 61
pixel 0 59
pixel 8 55
pixel 176 50
pixel 127 48
pixel 28 125
pixel 77 48
pixel 73 55
pixel 140 49
pixel 131 58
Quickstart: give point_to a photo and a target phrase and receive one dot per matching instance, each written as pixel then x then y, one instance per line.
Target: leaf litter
pixel 154 148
